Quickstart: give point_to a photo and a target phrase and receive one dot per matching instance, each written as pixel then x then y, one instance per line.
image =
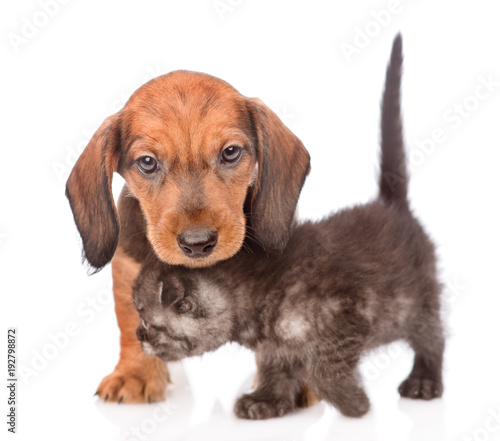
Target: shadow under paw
pixel 419 388
pixel 253 407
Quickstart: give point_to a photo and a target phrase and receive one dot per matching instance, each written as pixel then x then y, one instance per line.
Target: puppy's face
pixel 195 153
pixel 190 161
pixel 181 316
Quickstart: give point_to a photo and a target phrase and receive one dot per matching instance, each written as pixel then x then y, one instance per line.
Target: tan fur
pixel 137 377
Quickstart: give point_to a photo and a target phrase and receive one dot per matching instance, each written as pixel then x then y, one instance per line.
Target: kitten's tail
pixel 393 184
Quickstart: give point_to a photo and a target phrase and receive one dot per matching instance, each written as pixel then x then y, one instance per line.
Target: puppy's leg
pixel 335 379
pixel 307 397
pixel 427 340
pixel 137 377
pixel 279 384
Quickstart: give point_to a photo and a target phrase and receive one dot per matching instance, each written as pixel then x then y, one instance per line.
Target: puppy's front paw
pixel 253 407
pixel 421 388
pixel 146 383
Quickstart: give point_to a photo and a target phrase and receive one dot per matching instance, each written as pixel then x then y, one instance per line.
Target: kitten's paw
pixel 252 407
pixel 421 388
pixel 354 407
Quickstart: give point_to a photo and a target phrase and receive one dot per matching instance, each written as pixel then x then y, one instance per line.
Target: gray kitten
pixel 361 278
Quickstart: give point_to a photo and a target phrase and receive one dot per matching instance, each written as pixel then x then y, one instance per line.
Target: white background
pixel 81 64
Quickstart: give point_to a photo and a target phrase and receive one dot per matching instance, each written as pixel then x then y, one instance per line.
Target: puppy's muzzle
pixel 197 243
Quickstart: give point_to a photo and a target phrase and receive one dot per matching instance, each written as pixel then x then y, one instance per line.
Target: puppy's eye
pixel 147 164
pixel 231 154
pixel 145 323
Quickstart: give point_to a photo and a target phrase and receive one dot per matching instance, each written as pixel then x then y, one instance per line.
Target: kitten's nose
pixel 197 243
pixel 141 333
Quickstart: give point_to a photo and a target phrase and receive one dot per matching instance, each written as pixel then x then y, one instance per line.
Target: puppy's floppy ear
pixel 283 163
pixel 89 192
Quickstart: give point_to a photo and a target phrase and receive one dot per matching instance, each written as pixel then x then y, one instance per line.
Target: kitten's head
pixel 182 313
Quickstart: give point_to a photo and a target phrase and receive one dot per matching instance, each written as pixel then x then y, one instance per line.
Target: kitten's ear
pixel 146 283
pixel 171 290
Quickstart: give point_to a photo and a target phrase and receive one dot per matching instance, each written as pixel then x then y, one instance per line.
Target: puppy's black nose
pixel 197 243
pixel 141 333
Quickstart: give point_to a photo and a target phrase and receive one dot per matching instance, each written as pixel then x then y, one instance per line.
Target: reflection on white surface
pixel 200 404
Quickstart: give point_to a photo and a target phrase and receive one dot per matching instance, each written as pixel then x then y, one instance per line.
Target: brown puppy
pixel 205 169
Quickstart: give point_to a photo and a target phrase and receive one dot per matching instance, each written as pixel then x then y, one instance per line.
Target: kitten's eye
pixel 183 306
pixel 145 323
pixel 147 164
pixel 231 154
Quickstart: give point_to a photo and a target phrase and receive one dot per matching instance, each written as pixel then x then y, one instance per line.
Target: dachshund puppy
pixel 363 277
pixel 206 169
